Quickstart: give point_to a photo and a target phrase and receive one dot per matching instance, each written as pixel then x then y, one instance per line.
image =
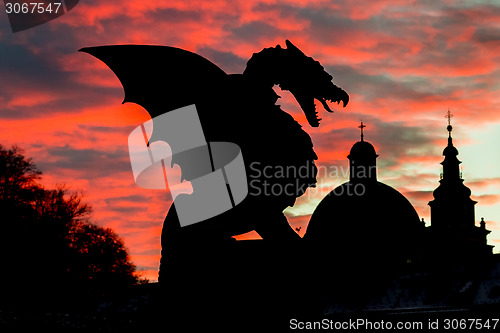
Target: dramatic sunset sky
pixel 404 63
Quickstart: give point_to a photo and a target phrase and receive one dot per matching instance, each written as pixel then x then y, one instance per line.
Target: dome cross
pixel 361 127
pixel 449 116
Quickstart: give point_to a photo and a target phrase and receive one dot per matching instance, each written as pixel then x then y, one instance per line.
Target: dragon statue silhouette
pixel 238 108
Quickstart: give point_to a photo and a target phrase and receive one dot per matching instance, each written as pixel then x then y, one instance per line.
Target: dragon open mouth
pixel 306 102
pixel 325 105
pixel 315 120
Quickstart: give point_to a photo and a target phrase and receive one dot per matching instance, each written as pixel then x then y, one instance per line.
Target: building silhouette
pixel 453 233
pixel 365 220
pixel 372 220
pixel 382 257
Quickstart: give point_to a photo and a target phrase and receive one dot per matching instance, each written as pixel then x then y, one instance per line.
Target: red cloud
pixel 404 63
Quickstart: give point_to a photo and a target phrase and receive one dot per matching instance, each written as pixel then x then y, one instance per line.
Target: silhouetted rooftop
pixel 365 211
pixel 362 149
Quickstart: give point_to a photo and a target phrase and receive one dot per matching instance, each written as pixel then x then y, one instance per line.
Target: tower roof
pixel 450 150
pixel 452 212
pixel 362 149
pixel 451 186
pixel 373 213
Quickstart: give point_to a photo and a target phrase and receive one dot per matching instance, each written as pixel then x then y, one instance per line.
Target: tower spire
pixel 452 211
pixel 449 127
pixel 451 164
pixel 361 127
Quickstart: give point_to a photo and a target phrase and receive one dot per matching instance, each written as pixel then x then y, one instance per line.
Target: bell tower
pixel 453 226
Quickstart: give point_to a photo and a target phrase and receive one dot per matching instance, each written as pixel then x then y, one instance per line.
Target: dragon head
pixel 307 80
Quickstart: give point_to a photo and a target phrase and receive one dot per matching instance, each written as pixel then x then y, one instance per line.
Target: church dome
pixel 364 218
pixel 362 149
pixel 371 216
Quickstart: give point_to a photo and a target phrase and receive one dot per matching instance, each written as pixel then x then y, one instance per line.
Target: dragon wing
pixel 158 78
pixel 163 79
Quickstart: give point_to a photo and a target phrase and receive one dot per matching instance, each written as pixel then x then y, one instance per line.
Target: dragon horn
pixel 293 48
